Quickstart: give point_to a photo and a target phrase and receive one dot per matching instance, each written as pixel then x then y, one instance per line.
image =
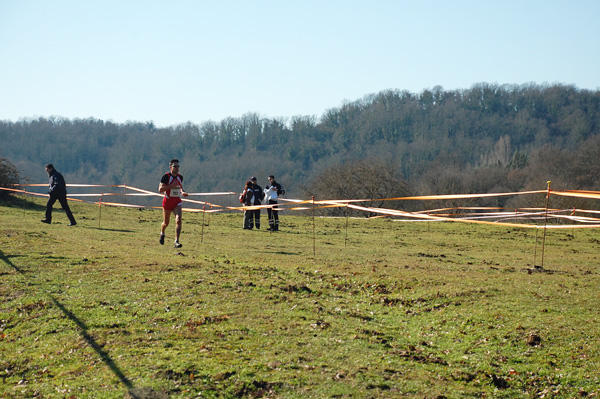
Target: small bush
pixel 9 176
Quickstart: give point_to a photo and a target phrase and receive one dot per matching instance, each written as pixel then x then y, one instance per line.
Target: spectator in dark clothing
pixel 258 197
pixel 58 191
pixel 247 199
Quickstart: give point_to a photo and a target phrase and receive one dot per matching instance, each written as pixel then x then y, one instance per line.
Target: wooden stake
pixel 24 200
pixel 313 220
pixel 545 222
pixel 203 213
pixel 346 239
pixel 100 209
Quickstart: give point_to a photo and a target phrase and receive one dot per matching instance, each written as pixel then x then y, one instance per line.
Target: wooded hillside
pixel 488 138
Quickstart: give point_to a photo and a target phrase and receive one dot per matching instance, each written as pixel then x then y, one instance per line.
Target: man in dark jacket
pixel 58 191
pixel 258 197
pixel 247 198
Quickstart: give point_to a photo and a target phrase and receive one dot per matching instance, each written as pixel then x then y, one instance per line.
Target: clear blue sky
pixel 176 61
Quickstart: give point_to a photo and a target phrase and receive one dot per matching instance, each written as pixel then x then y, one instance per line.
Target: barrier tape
pixel 447 219
pixel 119 204
pixel 460 196
pixel 440 214
pixel 217 193
pixel 570 193
pixel 581 194
pixel 73 185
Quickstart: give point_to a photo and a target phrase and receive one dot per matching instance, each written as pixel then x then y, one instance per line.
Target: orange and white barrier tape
pixel 440 214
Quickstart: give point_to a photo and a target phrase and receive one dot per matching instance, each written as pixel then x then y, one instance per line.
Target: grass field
pixel 393 309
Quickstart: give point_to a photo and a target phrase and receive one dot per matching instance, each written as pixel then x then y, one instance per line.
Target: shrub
pixel 9 176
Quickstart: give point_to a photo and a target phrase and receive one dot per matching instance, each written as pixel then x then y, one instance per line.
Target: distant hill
pixel 486 138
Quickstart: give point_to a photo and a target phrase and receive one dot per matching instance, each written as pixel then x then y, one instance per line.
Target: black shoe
pixel 45 221
pixel 162 239
pixel 177 244
pixel 72 224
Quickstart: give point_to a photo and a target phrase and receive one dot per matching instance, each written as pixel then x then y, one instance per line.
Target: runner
pixel 171 185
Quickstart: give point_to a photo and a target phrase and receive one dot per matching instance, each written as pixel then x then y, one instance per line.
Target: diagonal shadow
pixel 107 229
pixel 6 259
pixel 104 355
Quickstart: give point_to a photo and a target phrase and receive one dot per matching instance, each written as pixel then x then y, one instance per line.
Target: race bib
pixel 176 192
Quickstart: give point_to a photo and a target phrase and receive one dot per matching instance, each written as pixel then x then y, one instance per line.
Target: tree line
pixel 488 138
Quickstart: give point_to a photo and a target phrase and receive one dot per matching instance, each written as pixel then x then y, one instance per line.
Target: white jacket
pixel 271 193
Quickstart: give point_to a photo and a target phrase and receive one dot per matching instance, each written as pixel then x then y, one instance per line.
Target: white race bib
pixel 176 192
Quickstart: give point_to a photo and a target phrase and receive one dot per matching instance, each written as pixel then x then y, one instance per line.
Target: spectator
pixel 272 191
pixel 247 199
pixel 58 191
pixel 258 197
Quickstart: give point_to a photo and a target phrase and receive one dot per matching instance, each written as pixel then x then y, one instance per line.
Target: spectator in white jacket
pixel 272 192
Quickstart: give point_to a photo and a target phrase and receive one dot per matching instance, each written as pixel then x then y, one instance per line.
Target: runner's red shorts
pixel 171 203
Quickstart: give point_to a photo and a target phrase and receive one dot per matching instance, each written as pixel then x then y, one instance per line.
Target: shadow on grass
pixel 104 355
pixel 6 259
pixel 92 342
pixel 107 229
pixel 13 201
pixel 283 252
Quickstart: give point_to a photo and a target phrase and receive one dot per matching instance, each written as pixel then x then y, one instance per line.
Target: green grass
pixel 420 310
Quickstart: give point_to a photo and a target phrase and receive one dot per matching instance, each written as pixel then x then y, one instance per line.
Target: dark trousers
pixel 273 217
pixel 62 199
pixel 252 218
pixel 256 214
pixel 247 215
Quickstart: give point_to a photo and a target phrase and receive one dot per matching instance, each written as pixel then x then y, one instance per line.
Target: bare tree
pixel 371 180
